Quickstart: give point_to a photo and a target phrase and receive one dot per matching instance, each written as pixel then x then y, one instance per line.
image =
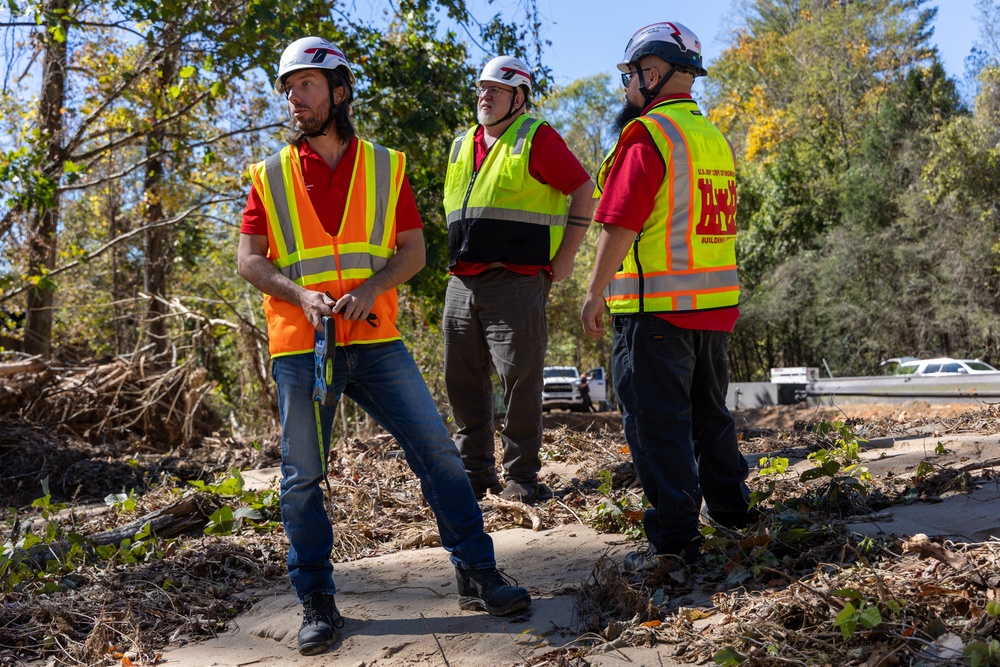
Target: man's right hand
pixel 315 305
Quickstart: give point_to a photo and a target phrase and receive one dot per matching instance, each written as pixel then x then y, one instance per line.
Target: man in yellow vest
pixel 331 229
pixel 666 268
pixel 510 236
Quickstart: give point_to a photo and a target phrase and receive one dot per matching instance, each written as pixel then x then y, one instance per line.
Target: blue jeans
pixel 671 384
pixel 384 380
pixel 496 320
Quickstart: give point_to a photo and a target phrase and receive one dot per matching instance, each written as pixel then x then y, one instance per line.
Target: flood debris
pixel 89 577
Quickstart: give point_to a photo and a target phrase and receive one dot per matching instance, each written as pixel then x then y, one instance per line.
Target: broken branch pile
pixel 126 398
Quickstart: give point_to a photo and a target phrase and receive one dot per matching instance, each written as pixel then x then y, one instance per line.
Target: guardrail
pixel 898 389
pixel 890 389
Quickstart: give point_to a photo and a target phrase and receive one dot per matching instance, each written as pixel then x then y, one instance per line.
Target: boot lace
pixel 494 578
pixel 321 609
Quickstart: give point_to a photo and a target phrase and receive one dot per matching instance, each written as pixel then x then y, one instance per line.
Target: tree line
pixel 868 185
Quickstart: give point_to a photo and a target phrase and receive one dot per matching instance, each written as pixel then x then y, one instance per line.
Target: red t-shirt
pixel 551 162
pixel 328 190
pixel 627 201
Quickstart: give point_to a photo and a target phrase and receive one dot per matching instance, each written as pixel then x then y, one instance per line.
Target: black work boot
pixel 320 621
pixel 526 492
pixel 481 487
pixel 646 559
pixel 491 591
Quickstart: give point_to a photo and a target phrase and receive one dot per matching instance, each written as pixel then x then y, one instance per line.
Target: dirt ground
pixel 224 600
pixel 401 608
pixel 787 416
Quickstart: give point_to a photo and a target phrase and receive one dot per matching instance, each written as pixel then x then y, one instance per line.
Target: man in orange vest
pixel 666 268
pixel 331 228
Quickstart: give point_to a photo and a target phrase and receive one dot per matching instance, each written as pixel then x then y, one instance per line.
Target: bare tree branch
pixel 83 185
pixel 118 239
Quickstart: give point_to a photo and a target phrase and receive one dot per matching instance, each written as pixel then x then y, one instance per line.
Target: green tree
pixel 582 113
pixel 166 97
pixel 39 200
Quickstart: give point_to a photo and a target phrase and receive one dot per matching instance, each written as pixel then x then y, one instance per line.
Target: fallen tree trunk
pixel 188 513
pixel 32 365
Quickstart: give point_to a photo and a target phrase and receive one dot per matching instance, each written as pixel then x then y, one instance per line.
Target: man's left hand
pixel 592 316
pixel 562 266
pixel 356 304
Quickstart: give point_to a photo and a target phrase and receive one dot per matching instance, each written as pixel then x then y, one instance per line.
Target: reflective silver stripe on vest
pixel 361 260
pixel 681 195
pixel 511 215
pixel 457 147
pixel 276 186
pixel 522 136
pixel 320 265
pixel 383 181
pixel 309 267
pixel 348 261
pixel 293 271
pixel 688 282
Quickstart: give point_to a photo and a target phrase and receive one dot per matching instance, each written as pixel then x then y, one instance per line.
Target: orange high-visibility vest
pixel 684 259
pixel 308 255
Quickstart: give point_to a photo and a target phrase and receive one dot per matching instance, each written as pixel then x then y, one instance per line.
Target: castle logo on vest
pixel 718 209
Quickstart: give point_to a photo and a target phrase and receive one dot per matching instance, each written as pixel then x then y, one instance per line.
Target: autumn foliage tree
pixel 836 111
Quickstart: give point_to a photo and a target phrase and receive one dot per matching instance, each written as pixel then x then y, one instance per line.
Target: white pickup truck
pixel 561 388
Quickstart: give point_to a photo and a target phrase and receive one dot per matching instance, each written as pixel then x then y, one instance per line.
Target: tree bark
pixel 156 241
pixel 45 214
pixel 26 366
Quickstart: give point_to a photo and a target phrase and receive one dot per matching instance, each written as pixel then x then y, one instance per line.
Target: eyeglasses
pixel 492 90
pixel 627 76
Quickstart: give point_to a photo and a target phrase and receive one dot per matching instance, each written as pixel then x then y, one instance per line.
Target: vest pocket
pixel 511 176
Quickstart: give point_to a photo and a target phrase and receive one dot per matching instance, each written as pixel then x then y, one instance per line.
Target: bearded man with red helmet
pixel 330 229
pixel 666 268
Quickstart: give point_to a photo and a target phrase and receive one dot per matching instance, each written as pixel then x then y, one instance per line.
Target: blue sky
pixel 589 36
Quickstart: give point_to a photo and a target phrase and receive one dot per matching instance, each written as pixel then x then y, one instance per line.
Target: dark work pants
pixel 496 320
pixel 671 384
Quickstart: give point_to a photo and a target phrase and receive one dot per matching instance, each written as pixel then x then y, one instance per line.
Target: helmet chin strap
pixel 510 113
pixel 650 95
pixel 321 132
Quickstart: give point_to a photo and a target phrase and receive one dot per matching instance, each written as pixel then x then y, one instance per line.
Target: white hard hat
pixel 672 42
pixel 311 53
pixel 508 70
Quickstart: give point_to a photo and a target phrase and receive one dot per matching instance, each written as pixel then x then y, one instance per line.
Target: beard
pixel 629 111
pixel 315 121
pixel 490 117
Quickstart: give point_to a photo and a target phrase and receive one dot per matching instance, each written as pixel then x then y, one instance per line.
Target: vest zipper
pixel 475 169
pixel 468 192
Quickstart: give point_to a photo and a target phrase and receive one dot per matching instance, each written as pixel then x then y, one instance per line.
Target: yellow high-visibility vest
pixel 307 254
pixel 684 258
pixel 500 213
